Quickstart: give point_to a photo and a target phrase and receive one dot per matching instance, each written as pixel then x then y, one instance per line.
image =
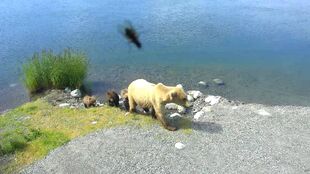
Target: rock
pixel 175 115
pixel 195 94
pixel 190 98
pixel 171 106
pixel 180 85
pixel 76 93
pixel 202 83
pixel 212 100
pixel 263 112
pixel 206 109
pixel 67 90
pixel 121 102
pixel 179 145
pixel 218 81
pixel 13 85
pixel 63 105
pixel 181 109
pixel 94 122
pixel 198 115
pixel 235 107
pixel 99 104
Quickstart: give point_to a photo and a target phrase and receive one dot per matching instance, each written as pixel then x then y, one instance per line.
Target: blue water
pixel 259 48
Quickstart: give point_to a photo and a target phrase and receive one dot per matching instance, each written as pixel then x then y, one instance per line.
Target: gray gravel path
pixel 229 139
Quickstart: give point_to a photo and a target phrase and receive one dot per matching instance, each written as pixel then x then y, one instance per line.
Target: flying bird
pixel 131 34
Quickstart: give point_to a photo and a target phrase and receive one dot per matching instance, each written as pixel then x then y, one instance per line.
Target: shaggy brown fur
pixel 89 101
pixel 124 95
pixel 113 98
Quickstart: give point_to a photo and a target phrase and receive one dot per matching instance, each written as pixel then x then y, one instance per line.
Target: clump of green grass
pixel 55 71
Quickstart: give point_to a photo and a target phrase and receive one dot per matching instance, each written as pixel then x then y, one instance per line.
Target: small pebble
pixel 179 145
pixel 198 115
pixel 207 109
pixel 190 98
pixel 175 115
pixel 218 81
pixel 263 112
pixel 180 85
pixel 94 122
pixel 195 94
pixel 212 100
pixel 181 109
pixel 235 107
pixel 171 106
pixel 67 90
pixel 62 105
pixel 76 93
pixel 202 83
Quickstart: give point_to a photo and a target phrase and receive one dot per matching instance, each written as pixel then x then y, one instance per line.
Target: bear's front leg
pixel 159 114
pixel 132 104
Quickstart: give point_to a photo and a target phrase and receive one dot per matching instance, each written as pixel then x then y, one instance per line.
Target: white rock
pixel 180 85
pixel 198 115
pixel 212 100
pixel 190 98
pixel 62 105
pixel 195 94
pixel 263 112
pixel 175 115
pixel 218 81
pixel 181 109
pixel 206 109
pixel 13 85
pixel 67 90
pixel 99 104
pixel 202 83
pixel 179 145
pixel 171 106
pixel 94 122
pixel 76 93
pixel 235 107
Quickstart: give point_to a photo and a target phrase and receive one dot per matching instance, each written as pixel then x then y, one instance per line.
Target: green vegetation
pixel 46 71
pixel 32 130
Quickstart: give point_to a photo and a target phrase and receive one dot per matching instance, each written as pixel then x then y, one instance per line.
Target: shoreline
pixel 229 135
pixel 206 115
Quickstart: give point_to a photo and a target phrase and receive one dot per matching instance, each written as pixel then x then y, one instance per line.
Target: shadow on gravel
pixel 186 124
pixel 209 127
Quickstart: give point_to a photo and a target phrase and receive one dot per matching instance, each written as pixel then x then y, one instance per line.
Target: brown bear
pixel 113 98
pixel 149 95
pixel 124 95
pixel 89 101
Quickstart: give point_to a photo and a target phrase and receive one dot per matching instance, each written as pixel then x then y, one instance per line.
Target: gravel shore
pixel 227 138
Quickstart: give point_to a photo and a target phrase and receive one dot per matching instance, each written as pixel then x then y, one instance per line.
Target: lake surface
pixel 259 48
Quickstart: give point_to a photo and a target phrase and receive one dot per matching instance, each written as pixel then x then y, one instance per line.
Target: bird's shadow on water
pixel 187 123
